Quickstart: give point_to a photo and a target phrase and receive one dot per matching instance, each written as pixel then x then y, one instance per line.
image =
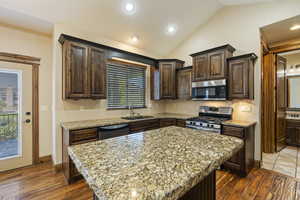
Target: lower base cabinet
pixel 72 138
pixel 180 123
pixel 167 122
pixel 293 132
pixel 143 125
pixel 243 161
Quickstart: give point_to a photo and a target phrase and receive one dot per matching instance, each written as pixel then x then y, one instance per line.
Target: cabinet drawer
pixel 180 123
pixel 144 125
pixel 80 136
pixel 73 170
pixel 233 131
pixel 167 122
pixel 292 123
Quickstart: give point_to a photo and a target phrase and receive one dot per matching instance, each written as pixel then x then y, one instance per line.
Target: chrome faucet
pixel 131 111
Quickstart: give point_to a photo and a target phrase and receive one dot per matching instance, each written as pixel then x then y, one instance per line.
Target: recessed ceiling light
pixel 134 39
pixel 295 27
pixel 129 7
pixel 171 29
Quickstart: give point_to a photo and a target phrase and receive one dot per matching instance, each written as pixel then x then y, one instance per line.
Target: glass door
pixel 15 123
pixel 10 145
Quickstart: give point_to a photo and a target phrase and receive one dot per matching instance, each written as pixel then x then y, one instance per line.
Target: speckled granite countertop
pixel 161 164
pixel 238 123
pixel 111 121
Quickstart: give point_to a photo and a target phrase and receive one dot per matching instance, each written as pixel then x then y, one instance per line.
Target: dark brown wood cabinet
pixel 181 123
pixel 200 68
pixel 211 64
pixel 75 70
pixel 217 65
pixel 243 161
pixel 143 125
pixel 84 71
pixel 97 73
pixel 167 72
pixel 241 76
pixel 163 79
pixel 167 122
pixel 72 138
pixel 293 132
pixel 184 83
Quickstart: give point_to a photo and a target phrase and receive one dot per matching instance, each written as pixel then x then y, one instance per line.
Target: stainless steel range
pixel 210 118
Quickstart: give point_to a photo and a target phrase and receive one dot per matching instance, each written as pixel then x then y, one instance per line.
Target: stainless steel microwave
pixel 209 90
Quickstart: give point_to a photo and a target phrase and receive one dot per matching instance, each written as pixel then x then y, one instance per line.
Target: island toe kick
pixel 205 190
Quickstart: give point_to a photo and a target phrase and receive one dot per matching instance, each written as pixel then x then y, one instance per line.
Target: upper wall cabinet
pixel 98 73
pixel 241 76
pixel 184 83
pixel 163 79
pixel 84 71
pixel 211 64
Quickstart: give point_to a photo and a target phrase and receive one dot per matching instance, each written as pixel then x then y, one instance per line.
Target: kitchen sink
pixel 137 117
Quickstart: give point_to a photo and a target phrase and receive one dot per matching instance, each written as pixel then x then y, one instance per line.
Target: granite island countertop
pixel 117 120
pixel 161 164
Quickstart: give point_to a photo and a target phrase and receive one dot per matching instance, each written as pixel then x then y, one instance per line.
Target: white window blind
pixel 125 86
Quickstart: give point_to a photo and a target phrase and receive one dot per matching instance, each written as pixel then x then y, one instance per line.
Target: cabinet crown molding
pixel 252 56
pixel 227 46
pixel 171 60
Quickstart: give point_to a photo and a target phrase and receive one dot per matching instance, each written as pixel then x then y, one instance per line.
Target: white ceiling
pixel 106 18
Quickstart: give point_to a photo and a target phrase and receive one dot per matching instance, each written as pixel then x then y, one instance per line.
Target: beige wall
pixel 17 41
pixel 292 59
pixel 238 26
pixel 68 110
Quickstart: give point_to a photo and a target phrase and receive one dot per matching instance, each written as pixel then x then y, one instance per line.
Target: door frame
pixel 34 63
pixel 275 49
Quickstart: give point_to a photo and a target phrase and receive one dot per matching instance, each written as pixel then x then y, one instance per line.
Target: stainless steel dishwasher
pixel 106 132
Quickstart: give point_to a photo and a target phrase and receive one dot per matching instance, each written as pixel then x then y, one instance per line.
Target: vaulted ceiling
pixel 107 18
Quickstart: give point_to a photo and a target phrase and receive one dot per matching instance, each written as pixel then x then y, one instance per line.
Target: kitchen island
pixel 167 163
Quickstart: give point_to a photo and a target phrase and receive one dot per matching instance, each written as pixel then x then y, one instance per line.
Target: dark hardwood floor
pixel 41 182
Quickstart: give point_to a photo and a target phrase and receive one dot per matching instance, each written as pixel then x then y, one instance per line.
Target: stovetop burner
pixel 210 118
pixel 213 120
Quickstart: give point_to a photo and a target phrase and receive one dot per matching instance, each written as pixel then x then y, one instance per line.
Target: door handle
pixel 27 121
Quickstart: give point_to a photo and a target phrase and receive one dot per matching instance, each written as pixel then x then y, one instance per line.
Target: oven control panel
pixel 293 115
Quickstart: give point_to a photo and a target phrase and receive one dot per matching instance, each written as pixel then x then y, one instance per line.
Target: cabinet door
pixel 180 123
pixel 239 79
pixel 200 68
pixel 216 65
pixel 97 73
pixel 76 74
pixel 167 80
pixel 143 125
pixel 184 84
pixel 236 162
pixel 292 136
pixel 167 122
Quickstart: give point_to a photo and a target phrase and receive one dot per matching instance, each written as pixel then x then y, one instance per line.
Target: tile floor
pixel 286 161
